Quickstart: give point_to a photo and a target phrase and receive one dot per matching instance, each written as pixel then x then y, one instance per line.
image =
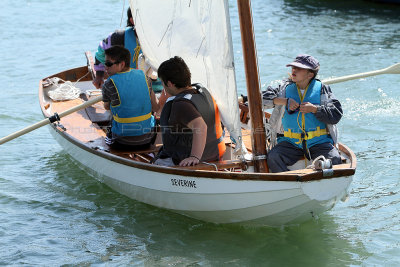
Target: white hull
pixel 252 202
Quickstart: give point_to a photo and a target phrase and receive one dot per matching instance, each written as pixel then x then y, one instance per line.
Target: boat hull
pixel 228 193
pixel 249 202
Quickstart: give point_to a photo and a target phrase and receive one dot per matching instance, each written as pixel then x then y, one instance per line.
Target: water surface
pixel 52 213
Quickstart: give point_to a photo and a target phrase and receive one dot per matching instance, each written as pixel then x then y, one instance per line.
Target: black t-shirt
pixel 183 112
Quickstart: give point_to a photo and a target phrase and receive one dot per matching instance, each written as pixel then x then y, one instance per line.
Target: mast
pixel 253 86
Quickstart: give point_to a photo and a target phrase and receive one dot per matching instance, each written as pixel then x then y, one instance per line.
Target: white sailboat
pixel 235 190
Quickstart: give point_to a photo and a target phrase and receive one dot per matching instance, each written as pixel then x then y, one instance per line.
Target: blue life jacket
pixel 299 126
pixel 132 117
pixel 132 45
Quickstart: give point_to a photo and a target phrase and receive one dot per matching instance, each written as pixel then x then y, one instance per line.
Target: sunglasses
pixel 109 63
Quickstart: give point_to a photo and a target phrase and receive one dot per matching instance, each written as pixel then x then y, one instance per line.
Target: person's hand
pixel 293 105
pixel 161 100
pixel 190 161
pixel 98 81
pixel 307 107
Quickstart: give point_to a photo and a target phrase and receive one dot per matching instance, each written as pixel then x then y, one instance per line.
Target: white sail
pixel 199 32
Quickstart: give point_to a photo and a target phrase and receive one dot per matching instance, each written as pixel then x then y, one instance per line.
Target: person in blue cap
pixel 126 38
pixel 304 118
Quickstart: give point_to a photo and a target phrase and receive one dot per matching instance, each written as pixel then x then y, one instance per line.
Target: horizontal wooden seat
pixel 152 149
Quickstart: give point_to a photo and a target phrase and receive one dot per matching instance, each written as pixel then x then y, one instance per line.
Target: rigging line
pixel 136 19
pixel 76 80
pixel 201 44
pixel 81 78
pixel 175 11
pixel 122 15
pixel 198 51
pixel 168 26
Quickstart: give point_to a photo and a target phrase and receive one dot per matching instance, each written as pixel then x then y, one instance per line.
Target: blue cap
pixel 304 61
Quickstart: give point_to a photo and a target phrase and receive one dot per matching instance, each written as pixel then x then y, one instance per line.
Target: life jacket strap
pixel 310 135
pixel 132 119
pixel 136 55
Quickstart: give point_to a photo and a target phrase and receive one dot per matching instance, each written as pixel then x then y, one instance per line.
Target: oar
pixel 394 69
pixel 55 117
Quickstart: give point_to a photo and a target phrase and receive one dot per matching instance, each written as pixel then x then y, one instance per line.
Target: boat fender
pixel 322 164
pixel 54 118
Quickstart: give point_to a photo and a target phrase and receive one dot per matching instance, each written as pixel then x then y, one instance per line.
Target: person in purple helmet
pixel 126 38
pixel 304 118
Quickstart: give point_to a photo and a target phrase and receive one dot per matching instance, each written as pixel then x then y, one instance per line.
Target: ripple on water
pixel 53 213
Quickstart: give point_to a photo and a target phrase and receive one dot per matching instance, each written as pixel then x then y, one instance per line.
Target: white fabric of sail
pixel 199 32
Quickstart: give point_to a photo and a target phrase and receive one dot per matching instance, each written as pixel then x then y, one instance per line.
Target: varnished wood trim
pixel 353 159
pixel 74 74
pixel 259 146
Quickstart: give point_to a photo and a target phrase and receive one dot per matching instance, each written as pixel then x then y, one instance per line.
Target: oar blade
pixel 395 69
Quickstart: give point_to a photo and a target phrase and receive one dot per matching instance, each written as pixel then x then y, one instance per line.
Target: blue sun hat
pixel 305 61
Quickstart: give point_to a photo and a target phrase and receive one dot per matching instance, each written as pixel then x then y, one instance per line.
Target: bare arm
pixel 161 101
pixel 154 100
pixel 199 129
pixel 99 79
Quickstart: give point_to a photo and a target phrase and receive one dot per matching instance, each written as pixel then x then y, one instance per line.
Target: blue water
pixel 52 213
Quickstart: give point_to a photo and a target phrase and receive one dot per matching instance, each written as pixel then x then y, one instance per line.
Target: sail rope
pixel 269 130
pixel 65 90
pixel 122 15
pixel 320 163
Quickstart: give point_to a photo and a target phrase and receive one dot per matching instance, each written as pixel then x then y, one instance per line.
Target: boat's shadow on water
pixel 155 236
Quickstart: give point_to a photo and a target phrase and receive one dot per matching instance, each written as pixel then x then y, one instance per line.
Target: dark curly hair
pixel 176 71
pixel 119 54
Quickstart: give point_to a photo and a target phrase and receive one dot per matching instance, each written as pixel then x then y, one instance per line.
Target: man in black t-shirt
pixel 190 123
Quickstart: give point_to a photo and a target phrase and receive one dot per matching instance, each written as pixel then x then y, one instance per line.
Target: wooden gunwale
pixel 298 175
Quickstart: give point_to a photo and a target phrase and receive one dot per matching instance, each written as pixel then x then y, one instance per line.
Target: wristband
pixel 191 156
